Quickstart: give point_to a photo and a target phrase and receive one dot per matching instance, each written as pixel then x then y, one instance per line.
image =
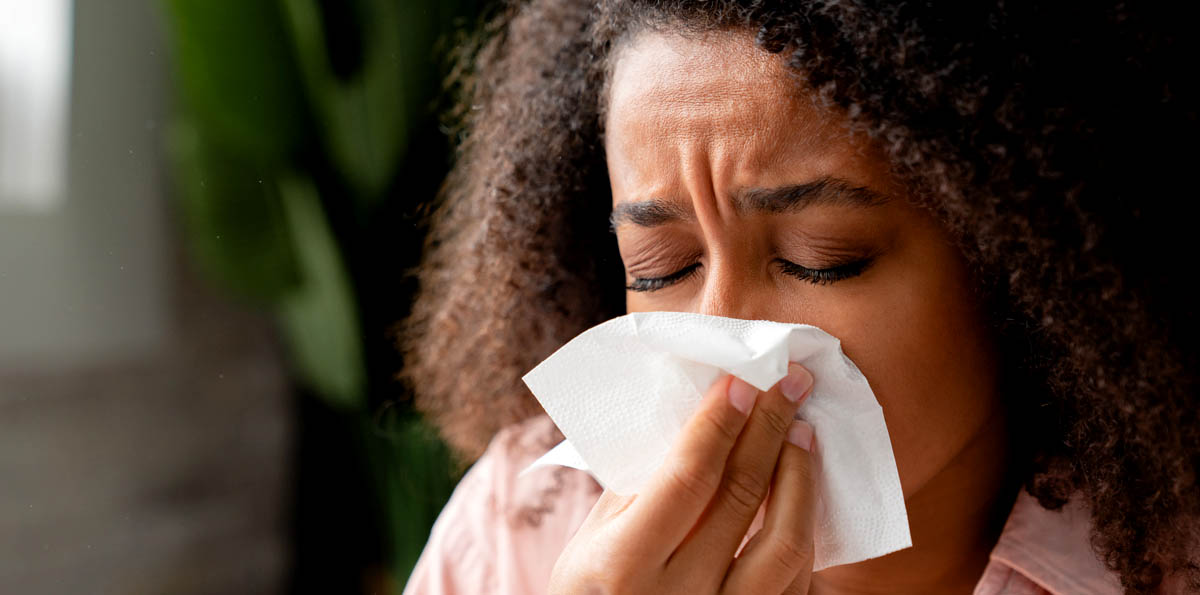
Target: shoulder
pixel 525 501
pixel 502 531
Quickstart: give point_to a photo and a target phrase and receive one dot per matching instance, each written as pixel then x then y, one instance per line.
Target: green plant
pixel 292 147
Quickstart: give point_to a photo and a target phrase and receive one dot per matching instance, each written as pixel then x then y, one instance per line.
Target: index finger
pixel 682 488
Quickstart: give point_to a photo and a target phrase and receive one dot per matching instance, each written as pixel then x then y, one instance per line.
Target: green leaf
pixel 235 73
pixel 416 474
pixel 234 222
pixel 366 118
pixel 320 319
pixel 363 118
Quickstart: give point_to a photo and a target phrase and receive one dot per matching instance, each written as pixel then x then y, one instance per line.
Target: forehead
pixel 715 94
pixel 695 70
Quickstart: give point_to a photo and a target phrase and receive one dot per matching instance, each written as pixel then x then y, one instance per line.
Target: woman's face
pixel 734 196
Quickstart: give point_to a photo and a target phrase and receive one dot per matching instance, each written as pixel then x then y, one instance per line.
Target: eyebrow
pixel 784 199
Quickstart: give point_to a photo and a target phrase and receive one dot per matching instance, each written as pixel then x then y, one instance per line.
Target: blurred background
pixel 207 212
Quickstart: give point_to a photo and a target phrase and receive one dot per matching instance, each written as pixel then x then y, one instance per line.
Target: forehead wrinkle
pixel 727 123
pixel 656 121
pixel 714 137
pixel 688 128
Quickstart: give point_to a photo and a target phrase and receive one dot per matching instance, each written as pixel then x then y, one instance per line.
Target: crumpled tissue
pixel 621 391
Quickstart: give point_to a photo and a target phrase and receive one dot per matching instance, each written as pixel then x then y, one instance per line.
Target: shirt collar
pixel 1053 549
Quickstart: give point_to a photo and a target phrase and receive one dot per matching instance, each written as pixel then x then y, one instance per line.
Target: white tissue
pixel 621 391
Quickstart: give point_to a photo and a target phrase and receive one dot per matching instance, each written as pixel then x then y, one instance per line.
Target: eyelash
pixel 814 276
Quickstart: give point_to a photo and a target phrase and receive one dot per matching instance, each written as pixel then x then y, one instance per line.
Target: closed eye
pixel 823 276
pixel 656 283
pixel 827 275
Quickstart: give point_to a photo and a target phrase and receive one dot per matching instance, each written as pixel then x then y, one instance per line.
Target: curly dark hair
pixel 1050 141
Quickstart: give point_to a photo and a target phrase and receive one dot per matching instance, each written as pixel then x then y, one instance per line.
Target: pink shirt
pixel 502 534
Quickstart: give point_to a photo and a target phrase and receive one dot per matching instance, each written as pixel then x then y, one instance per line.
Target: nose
pixel 734 290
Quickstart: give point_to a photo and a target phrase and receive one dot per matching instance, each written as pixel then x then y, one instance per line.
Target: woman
pixel 981 202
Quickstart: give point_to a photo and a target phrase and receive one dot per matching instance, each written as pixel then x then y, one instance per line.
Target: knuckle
pixel 805 475
pixel 790 554
pixel 796 588
pixel 799 470
pixel 693 480
pixel 776 421
pixel 721 426
pixel 743 491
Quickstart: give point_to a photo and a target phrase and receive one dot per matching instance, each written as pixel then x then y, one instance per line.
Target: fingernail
pixel 796 384
pixel 801 434
pixel 742 395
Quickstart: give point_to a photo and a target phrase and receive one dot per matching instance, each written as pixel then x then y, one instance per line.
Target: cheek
pixel 922 345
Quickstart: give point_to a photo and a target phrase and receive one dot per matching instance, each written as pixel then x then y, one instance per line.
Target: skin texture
pixel 697 121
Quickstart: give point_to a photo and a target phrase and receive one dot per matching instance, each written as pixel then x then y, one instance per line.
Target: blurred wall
pixel 84 282
pixel 145 425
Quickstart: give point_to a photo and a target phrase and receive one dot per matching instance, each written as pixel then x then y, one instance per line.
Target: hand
pixel 681 533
